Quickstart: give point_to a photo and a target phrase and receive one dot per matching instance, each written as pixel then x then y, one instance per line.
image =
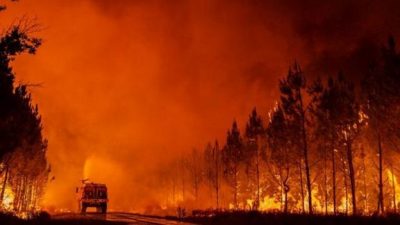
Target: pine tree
pixel 213 169
pixel 338 122
pixel 255 135
pixel 232 159
pixel 294 108
pixel 280 146
pixel 380 100
pixel 22 146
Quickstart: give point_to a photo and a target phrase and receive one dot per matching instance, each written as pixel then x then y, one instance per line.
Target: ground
pixel 90 219
pixel 224 218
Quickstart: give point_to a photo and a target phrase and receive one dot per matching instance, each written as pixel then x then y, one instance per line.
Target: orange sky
pixel 128 84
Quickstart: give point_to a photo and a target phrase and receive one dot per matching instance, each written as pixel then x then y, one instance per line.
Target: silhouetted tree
pixel 280 146
pixel 381 98
pixel 294 108
pixel 213 168
pixel 195 169
pixel 255 134
pixel 339 121
pixel 232 158
pixel 22 147
pixel 324 134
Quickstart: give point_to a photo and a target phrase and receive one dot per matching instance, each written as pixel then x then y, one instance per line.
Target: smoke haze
pixel 128 85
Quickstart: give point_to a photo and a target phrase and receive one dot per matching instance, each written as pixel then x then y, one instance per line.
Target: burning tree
pixel 212 155
pixel 255 135
pixel 23 164
pixel 233 158
pixel 294 108
pixel 280 157
pixel 342 132
pixel 337 124
pixel 381 100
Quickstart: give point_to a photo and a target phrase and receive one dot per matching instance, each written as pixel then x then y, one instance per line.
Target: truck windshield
pixel 95 193
pixel 89 194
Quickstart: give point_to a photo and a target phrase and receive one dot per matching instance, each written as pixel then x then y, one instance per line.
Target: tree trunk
pixel 235 190
pixel 381 208
pixel 352 178
pixel 307 168
pixel 285 210
pixel 345 188
pixel 257 203
pixel 334 180
pixel 3 188
pixel 394 191
pixel 325 183
pixel 183 186
pixel 217 177
pixel 285 182
pixel 305 154
pixel 282 195
pixel 301 186
pixel 364 182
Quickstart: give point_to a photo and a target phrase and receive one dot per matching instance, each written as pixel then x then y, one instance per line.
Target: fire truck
pixel 92 195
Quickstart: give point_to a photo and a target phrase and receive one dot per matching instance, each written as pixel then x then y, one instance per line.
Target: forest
pixel 329 146
pixel 24 168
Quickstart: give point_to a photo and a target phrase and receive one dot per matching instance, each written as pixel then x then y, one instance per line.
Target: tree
pixel 255 135
pixel 380 100
pixel 232 158
pixel 213 168
pixel 324 134
pixel 338 123
pixel 22 146
pixel 280 145
pixel 195 169
pixel 294 108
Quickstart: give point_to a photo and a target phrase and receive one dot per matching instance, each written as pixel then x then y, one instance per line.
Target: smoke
pixel 128 85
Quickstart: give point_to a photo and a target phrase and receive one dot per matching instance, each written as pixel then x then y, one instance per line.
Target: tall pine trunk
pixel 325 183
pixel 217 177
pixel 235 188
pixel 364 182
pixel 346 191
pixel 352 178
pixel 257 180
pixel 381 208
pixel 394 190
pixel 305 154
pixel 334 180
pixel 301 186
pixel 3 188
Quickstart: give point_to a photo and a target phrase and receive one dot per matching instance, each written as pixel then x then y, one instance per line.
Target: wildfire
pixel 394 186
pixel 8 199
pixel 269 203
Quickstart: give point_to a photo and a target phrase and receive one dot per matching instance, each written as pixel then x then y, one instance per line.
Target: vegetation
pixel 23 166
pixel 328 146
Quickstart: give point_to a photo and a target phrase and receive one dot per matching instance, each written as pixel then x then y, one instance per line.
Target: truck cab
pixel 92 195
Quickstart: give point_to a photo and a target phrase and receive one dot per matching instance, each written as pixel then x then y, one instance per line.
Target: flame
pixel 269 203
pixel 393 184
pixel 8 200
pixel 343 204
